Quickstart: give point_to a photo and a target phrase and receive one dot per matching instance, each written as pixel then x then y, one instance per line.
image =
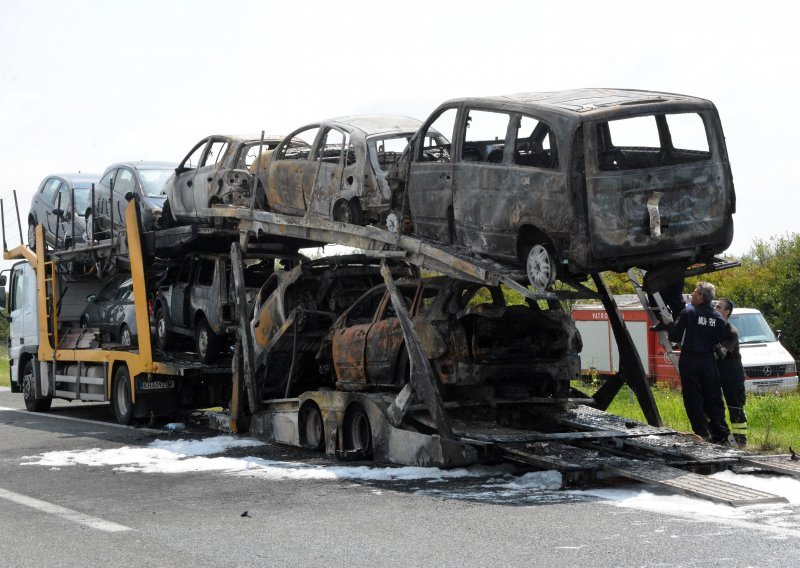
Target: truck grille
pixel 765 371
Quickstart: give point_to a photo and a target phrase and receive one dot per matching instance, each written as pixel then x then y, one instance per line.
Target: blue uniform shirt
pixel 698 329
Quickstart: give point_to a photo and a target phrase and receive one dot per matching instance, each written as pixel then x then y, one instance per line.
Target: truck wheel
pixel 540 266
pixel 121 396
pixel 28 391
pixel 207 342
pixel 312 429
pixel 164 338
pixel 357 431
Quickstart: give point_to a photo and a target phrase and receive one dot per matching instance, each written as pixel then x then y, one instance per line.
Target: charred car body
pixel 214 172
pixel 470 335
pixel 337 168
pixel 293 313
pixel 572 182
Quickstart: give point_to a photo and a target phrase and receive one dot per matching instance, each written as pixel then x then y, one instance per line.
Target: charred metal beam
pixel 244 328
pixel 423 379
pixel 630 366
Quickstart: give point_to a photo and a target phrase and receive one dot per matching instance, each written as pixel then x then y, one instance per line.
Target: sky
pixel 84 84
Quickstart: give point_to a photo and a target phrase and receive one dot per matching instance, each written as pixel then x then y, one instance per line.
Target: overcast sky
pixel 84 84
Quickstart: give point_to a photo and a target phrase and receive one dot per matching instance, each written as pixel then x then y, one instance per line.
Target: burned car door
pixel 330 156
pixel 205 177
pixel 181 289
pixel 657 182
pixel 430 179
pixel 181 199
pixel 350 339
pixel 385 341
pixel 292 172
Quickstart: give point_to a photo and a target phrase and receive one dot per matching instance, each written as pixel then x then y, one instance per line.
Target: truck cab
pixel 23 329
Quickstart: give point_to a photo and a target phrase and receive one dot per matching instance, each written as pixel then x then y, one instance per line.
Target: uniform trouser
pixel 731 377
pixel 702 395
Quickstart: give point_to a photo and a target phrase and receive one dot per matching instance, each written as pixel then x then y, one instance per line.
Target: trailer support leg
pixel 630 366
pixel 244 328
pixel 423 378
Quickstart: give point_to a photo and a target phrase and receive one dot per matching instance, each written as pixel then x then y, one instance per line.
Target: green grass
pixel 4 377
pixel 774 420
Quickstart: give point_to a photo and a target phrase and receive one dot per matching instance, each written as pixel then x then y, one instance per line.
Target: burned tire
pixel 207 342
pixel 32 403
pixel 347 212
pixel 540 267
pixel 357 431
pixel 164 337
pixel 121 399
pixel 312 429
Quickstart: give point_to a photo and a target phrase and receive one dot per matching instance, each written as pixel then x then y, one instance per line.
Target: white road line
pixel 63 512
pixel 82 420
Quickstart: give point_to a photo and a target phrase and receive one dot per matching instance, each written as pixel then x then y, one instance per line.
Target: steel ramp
pixel 778 464
pixel 686 483
pixel 583 417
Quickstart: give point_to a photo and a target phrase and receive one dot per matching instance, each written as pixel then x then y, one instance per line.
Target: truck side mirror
pixel 3 279
pixel 3 297
pixel 778 334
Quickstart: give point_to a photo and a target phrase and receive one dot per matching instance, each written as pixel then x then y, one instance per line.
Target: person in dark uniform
pixel 700 330
pixel 731 373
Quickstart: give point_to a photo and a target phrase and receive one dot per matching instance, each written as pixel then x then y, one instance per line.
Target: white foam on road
pixel 185 456
pixel 63 512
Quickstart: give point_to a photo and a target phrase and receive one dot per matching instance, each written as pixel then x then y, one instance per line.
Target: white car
pixel 768 366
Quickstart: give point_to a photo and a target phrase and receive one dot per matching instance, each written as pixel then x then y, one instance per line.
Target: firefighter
pixel 700 330
pixel 731 373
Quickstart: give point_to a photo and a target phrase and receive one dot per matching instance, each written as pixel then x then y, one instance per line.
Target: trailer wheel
pixel 164 337
pixel 357 431
pixel 32 403
pixel 121 396
pixel 312 429
pixel 207 342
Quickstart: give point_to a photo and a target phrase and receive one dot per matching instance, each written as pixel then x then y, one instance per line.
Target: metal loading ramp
pixel 787 465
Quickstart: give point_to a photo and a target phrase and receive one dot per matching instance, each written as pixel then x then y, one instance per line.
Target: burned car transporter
pixel 370 355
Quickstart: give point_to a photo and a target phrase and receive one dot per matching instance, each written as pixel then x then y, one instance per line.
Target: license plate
pixel 156 385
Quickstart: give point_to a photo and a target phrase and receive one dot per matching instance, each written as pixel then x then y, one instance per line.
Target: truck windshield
pixel 753 328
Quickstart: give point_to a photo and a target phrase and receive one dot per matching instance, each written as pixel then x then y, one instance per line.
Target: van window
pixel 205 272
pixel 435 149
pixel 651 141
pixel 484 136
pixel 535 144
pixel 753 328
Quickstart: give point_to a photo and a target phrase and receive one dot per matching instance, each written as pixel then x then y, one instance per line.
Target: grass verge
pixel 5 378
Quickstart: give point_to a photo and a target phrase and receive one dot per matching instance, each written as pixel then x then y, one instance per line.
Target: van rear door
pixel 658 182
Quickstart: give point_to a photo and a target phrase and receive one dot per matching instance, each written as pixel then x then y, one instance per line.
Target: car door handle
pixel 189 183
pixel 209 179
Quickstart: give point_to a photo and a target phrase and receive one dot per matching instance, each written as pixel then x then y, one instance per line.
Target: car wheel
pixel 164 338
pixel 347 212
pixel 207 342
pixel 312 429
pixel 125 337
pixel 357 431
pixel 31 236
pixel 540 266
pixel 32 403
pixel 121 396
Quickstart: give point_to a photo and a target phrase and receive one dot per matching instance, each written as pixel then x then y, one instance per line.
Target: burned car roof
pixel 592 103
pixel 374 125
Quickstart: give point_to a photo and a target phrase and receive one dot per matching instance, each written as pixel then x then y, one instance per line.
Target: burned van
pixel 572 182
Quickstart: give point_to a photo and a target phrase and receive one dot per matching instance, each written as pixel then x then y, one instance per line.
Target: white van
pixel 768 366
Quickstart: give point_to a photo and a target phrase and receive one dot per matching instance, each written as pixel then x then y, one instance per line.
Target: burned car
pixel 120 183
pixel 572 182
pixel 196 300
pixel 473 338
pixel 52 207
pixel 337 168
pixel 215 172
pixel 293 313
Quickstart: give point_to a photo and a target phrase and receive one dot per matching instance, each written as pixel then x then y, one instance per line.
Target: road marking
pixel 63 512
pixel 82 420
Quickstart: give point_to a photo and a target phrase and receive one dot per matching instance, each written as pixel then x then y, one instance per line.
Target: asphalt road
pixel 83 515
